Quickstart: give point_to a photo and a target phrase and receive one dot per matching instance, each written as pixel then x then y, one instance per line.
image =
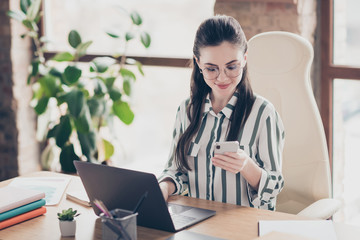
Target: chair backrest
pixel 279 69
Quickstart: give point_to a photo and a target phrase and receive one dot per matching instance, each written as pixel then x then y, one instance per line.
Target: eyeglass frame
pixel 218 70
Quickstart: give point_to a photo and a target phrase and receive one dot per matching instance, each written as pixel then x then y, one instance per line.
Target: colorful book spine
pixel 23 209
pixel 22 217
pixel 13 197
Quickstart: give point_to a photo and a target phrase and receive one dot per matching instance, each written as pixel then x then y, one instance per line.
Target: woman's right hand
pixel 167 188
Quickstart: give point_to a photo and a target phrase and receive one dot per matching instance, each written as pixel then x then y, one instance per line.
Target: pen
pixel 118 226
pixel 140 202
pixel 103 208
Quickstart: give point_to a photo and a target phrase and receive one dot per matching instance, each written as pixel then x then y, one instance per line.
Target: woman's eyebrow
pixel 232 61
pixel 235 60
pixel 211 64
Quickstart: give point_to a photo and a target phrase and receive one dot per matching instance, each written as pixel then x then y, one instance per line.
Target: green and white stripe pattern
pixel 262 138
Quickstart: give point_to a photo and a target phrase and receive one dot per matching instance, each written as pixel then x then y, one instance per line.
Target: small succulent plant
pixel 68 215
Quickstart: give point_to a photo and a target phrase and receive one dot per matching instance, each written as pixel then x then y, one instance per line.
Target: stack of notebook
pixel 18 205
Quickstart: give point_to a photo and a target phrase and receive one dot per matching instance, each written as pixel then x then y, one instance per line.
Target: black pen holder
pixel 121 226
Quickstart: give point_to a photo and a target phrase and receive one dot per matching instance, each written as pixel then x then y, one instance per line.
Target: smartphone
pixel 227 146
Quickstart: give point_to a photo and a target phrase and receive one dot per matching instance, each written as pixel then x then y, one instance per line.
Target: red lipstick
pixel 223 86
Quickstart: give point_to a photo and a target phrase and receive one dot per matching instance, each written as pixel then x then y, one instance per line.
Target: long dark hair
pixel 213 32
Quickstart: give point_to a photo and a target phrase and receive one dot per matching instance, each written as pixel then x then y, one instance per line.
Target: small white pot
pixel 67 228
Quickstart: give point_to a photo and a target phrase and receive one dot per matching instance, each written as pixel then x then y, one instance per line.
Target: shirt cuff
pixel 255 196
pixel 178 186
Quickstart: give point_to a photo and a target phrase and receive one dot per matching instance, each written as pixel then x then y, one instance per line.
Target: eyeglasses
pixel 232 71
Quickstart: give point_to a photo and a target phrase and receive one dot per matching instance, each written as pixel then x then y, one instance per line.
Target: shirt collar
pixel 227 110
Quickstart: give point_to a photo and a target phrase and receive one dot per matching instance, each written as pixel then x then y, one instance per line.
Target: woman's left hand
pixel 239 162
pixel 231 161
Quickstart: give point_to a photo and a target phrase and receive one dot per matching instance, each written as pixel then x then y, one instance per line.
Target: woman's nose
pixel 222 76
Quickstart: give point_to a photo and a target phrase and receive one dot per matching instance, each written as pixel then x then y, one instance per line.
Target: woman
pixel 223 107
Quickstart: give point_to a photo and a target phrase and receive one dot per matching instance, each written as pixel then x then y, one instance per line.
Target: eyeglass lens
pixel 231 71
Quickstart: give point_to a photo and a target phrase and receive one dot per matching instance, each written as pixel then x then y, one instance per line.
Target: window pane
pixel 145 144
pixel 346 150
pixel 347 32
pixel 171 24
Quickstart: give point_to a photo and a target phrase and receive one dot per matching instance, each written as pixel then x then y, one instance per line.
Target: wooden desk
pixel 230 221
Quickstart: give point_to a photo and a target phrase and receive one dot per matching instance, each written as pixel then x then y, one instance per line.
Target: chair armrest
pixel 321 209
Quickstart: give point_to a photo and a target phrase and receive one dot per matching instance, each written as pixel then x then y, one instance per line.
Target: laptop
pixel 123 188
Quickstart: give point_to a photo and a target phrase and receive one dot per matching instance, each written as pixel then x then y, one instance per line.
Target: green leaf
pixel 72 75
pixel 123 112
pixel 56 73
pixel 24 5
pixel 136 18
pixel 33 10
pixel 63 56
pixel 67 215
pixel 88 144
pixel 38 17
pixel 127 87
pixel 61 98
pixel 41 106
pixel 74 38
pixel 132 61
pixel 52 132
pixel 82 48
pixel 129 36
pixel 101 64
pixel 38 90
pixel 17 15
pixel 29 79
pixel 145 39
pixel 139 66
pixel 99 87
pixel 75 101
pixel 114 94
pixel 67 156
pixel 35 67
pixel 85 91
pixel 113 35
pixel 127 74
pixel 50 84
pixel 30 25
pixel 97 106
pixel 83 122
pixel 109 82
pixel 27 23
pixel 109 149
pixel 63 131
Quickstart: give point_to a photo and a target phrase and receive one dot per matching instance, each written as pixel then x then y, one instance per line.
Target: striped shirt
pixel 262 138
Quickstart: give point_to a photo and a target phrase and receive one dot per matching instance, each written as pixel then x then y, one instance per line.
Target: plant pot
pixel 67 228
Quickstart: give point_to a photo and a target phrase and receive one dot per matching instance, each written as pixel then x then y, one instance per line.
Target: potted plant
pixel 67 222
pixel 85 99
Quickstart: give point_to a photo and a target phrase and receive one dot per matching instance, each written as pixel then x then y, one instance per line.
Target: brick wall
pixel 8 131
pixel 257 17
pixel 19 150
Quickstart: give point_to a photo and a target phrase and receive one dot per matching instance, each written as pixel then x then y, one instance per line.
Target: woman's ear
pixel 245 58
pixel 196 59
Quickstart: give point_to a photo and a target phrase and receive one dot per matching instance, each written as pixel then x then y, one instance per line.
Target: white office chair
pixel 279 69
